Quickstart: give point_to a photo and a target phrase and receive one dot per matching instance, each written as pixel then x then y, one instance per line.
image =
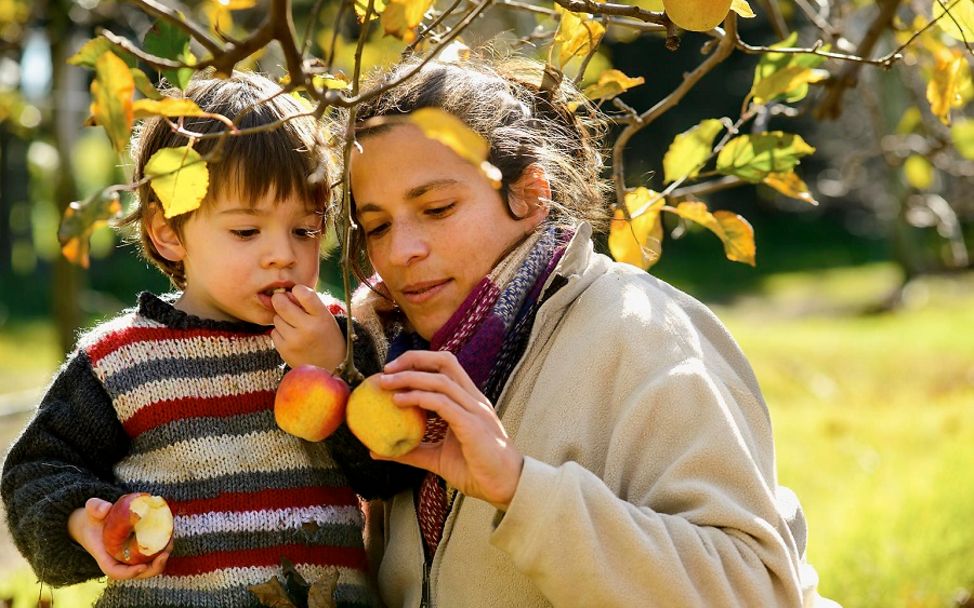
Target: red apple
pixel 310 402
pixel 138 527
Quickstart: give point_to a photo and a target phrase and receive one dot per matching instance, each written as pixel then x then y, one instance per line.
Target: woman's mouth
pixel 418 293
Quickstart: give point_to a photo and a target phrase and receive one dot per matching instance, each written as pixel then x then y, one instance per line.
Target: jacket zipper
pixel 426 603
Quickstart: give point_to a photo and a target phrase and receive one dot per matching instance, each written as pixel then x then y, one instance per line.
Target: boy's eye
pixel 245 232
pixel 307 233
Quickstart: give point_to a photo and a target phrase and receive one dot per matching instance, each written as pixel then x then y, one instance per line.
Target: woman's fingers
pixel 443 362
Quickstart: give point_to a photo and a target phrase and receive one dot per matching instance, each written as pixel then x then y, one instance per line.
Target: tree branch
pixel 831 105
pixel 620 10
pixel 724 49
pixel 164 12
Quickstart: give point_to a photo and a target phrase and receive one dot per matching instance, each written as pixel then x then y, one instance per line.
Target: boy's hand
pixel 305 332
pixel 85 527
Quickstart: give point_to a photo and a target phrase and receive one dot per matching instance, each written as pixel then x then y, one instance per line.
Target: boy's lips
pixel 266 294
pixel 417 293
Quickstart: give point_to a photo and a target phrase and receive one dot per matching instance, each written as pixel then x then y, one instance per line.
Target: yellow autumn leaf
pixel 112 91
pixel 362 6
pixel 690 150
pixel 81 219
pixel 441 126
pixel 918 172
pixel 733 230
pixel 962 134
pixel 402 16
pixel 167 106
pixel 950 74
pixel 237 5
pixel 959 24
pixel 611 82
pixel 180 179
pixel 790 185
pixel 742 8
pixel 577 35
pixel 639 241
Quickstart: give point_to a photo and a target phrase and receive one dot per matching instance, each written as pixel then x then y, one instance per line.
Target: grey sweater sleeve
pixel 64 457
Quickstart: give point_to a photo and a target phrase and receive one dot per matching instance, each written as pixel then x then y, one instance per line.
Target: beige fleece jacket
pixel 649 469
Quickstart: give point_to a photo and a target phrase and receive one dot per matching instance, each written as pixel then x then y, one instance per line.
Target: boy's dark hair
pixel 503 100
pixel 291 158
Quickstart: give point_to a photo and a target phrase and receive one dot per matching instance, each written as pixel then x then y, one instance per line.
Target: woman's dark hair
pixel 290 159
pixel 524 116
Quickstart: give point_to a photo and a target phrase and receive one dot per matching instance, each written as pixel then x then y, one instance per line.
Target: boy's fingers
pixel 97 508
pixel 308 299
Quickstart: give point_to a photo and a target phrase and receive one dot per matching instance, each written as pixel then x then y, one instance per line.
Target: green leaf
pixel 789 82
pixel 733 230
pixel 962 134
pixel 180 179
pixel 753 157
pixel 166 40
pixel 144 85
pixel 690 150
pixel 772 63
pixel 91 50
pixel 112 93
pixel 638 241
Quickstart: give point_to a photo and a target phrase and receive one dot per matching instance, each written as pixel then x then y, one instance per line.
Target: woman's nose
pixel 407 245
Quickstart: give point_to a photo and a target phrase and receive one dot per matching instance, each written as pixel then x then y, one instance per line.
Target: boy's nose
pixel 280 254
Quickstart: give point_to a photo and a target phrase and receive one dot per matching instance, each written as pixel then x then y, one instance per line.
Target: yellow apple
pixel 138 527
pixel 310 402
pixel 384 427
pixel 697 15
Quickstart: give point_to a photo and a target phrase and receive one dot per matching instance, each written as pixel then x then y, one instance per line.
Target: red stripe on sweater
pixel 164 412
pixel 348 557
pixel 114 340
pixel 274 498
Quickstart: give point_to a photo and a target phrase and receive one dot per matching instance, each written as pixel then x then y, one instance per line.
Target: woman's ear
pixel 528 196
pixel 163 237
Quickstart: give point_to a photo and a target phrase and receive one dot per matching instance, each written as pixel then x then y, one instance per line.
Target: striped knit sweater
pixel 163 402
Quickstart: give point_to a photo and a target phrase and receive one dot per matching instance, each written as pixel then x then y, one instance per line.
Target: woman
pixel 601 439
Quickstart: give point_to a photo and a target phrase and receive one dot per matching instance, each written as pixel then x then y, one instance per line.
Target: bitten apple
pixel 384 427
pixel 137 528
pixel 310 402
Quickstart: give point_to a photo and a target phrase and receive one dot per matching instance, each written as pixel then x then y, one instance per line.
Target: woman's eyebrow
pixel 422 189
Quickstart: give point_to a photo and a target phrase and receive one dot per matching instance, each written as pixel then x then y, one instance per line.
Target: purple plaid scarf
pixel 488 333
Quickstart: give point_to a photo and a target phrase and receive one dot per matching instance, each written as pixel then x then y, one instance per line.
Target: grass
pixel 875 432
pixel 23 589
pixel 873 424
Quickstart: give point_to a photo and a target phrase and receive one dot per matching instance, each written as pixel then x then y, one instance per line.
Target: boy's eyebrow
pixel 412 194
pixel 243 210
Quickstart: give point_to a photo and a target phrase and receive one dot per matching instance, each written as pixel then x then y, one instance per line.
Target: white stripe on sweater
pixel 197 347
pixel 234 577
pixel 208 457
pixel 128 404
pixel 262 521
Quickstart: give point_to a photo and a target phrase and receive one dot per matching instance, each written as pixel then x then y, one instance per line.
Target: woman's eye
pixel 245 233
pixel 377 230
pixel 440 211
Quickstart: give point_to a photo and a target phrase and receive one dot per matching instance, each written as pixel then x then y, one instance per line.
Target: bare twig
pixel 816 49
pixel 608 8
pixel 775 17
pixel 429 29
pixel 723 50
pixel 831 106
pixel 312 20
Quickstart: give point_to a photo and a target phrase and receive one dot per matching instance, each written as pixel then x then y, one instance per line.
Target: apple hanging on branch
pixel 310 402
pixel 137 528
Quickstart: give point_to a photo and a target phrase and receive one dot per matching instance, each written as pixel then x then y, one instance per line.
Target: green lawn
pixel 873 421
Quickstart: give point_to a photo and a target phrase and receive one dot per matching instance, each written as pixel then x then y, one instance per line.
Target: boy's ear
pixel 529 195
pixel 163 237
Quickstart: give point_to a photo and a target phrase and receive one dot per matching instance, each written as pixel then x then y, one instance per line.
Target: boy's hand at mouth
pixel 305 332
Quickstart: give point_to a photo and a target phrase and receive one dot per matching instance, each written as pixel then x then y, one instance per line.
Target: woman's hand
pixel 476 455
pixel 85 527
pixel 305 332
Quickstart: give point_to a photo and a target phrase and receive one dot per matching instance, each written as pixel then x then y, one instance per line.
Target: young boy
pixel 175 397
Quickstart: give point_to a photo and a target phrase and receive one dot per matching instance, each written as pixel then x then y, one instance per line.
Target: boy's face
pixel 235 255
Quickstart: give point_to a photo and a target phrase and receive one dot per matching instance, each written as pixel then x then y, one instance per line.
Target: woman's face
pixel 434 226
